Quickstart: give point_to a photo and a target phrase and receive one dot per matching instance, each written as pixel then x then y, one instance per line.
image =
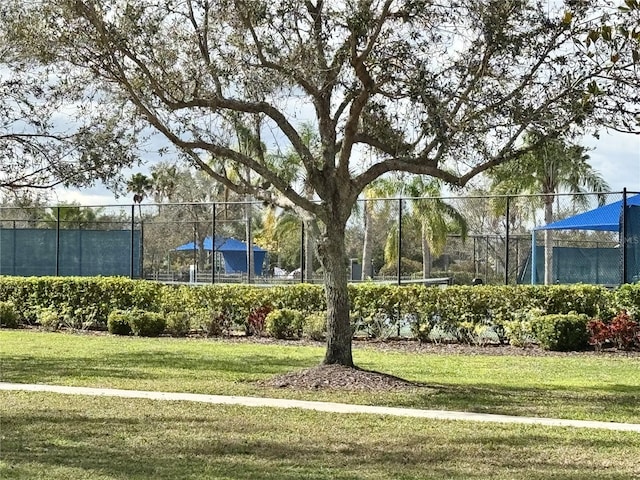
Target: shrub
pixel 9 317
pixel 256 319
pixel 48 318
pixel 146 324
pixel 284 323
pixel 624 331
pixel 315 326
pixel 519 331
pixel 561 332
pixel 118 322
pixel 599 333
pixel 211 323
pixel 178 323
pixel 421 328
pixel 627 297
pixel 82 318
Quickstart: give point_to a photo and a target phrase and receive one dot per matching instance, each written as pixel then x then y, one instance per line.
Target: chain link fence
pixel 461 240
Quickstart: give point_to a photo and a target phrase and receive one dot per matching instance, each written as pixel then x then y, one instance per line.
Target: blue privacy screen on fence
pixel 39 252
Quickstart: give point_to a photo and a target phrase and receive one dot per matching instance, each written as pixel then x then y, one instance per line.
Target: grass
pixel 595 387
pixel 48 436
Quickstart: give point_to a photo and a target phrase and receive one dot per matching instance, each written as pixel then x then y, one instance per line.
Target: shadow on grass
pixel 169 440
pixel 191 372
pixel 144 365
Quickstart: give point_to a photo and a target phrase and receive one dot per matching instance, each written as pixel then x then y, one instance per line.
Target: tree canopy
pixel 444 89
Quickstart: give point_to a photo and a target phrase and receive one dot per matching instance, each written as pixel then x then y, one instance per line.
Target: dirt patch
pixel 338 377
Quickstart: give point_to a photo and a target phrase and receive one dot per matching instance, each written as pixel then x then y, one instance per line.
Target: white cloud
pixel 617 157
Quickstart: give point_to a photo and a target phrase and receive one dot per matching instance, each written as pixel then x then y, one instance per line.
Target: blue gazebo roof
pixel 605 218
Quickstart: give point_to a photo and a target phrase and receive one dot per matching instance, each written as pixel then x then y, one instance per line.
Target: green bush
pixel 146 324
pixel 421 328
pixel 48 318
pixel 627 298
pixel 211 323
pixel 86 301
pixel 284 323
pixel 561 332
pixel 118 322
pixel 178 323
pixel 315 326
pixel 519 332
pixel 9 317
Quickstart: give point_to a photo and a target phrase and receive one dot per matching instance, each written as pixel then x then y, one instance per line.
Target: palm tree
pixel 140 185
pixel 549 168
pixel 436 218
pixel 378 189
pixel 164 181
pixel 72 216
pixel 279 234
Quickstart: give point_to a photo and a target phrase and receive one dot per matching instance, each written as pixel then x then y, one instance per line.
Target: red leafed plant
pixel 599 333
pixel 624 331
pixel 255 321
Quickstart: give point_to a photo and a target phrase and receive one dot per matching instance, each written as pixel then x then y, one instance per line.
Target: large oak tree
pixel 440 88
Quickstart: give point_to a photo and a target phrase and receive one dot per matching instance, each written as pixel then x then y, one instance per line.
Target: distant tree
pixel 140 185
pixel 72 216
pixel 436 218
pixel 374 203
pixel 552 167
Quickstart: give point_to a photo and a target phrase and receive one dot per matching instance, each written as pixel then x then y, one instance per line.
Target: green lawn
pixel 58 437
pixel 591 386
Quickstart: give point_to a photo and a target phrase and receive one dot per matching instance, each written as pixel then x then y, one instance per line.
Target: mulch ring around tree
pixel 338 377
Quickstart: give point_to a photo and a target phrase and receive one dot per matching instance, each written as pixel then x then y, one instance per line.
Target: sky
pixel 616 156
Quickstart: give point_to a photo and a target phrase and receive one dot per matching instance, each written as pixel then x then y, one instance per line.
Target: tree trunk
pixel 332 254
pixel 308 255
pixel 367 242
pixel 426 256
pixel 548 243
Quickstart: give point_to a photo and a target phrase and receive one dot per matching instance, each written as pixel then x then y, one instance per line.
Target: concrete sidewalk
pixel 319 406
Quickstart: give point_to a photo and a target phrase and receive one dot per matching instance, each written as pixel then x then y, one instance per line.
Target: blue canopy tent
pixel 607 218
pixel 234 253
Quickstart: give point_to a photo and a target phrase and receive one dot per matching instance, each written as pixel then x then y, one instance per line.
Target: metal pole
pixel 302 251
pixel 534 260
pixel 506 246
pixel 195 252
pixel 399 241
pixel 486 259
pixel 131 247
pixel 141 251
pixel 623 240
pixel 213 243
pixel 57 241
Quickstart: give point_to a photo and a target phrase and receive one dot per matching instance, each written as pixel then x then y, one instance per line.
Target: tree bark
pixel 332 254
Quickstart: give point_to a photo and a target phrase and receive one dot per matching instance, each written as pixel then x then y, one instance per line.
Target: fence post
pixel 133 226
pixel 623 240
pixel 506 243
pixel 58 241
pixel 399 241
pixel 303 253
pixel 213 243
pixel 534 260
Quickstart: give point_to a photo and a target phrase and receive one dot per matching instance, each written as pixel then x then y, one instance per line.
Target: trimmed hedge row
pixel 479 314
